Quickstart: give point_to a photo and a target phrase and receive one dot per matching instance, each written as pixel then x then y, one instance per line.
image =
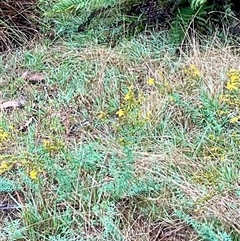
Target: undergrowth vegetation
pixel 111 21
pixel 133 142
pixel 120 144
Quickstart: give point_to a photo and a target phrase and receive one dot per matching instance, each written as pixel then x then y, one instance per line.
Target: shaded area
pixel 148 13
pixel 17 23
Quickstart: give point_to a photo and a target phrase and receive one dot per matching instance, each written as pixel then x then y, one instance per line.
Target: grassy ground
pixel 130 143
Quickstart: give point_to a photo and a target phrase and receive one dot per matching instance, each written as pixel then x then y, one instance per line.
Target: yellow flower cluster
pixel 235 119
pixel 3 135
pixel 130 96
pixel 233 82
pixel 134 112
pixel 4 167
pixel 214 150
pixel 53 145
pixel 230 98
pixel 209 177
pixel 9 162
pixel 131 102
pixel 131 106
pixel 131 109
pixel 192 71
pixel 102 115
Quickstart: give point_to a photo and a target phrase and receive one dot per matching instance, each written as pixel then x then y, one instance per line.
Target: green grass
pixel 168 167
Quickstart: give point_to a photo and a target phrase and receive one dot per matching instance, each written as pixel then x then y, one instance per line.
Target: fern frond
pixel 184 19
pixel 195 4
pixel 68 5
pixel 76 5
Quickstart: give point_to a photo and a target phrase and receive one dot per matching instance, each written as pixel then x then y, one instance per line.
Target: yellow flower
pixel 234 119
pixel 222 112
pixel 3 135
pixel 232 70
pixel 233 74
pixel 224 98
pixel 214 149
pixel 129 96
pixel 194 71
pixel 46 143
pixel 11 128
pixel 233 79
pixel 232 86
pixel 151 82
pixel 120 113
pixel 149 115
pixel 33 175
pixel 122 141
pixel 53 145
pixel 102 115
pixel 4 167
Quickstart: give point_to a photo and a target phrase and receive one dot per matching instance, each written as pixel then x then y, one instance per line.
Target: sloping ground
pixel 17 23
pixel 131 143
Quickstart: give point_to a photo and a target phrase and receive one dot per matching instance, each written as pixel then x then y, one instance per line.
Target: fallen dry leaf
pixel 3 83
pixel 12 104
pixel 33 78
pixel 25 126
pixel 24 75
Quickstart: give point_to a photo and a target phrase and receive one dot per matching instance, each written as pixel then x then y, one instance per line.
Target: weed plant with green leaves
pixel 205 230
pixel 7 185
